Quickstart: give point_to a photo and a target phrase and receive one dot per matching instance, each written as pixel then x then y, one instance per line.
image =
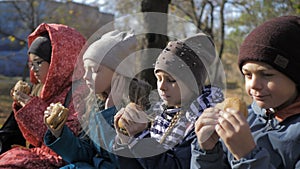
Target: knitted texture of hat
pixel 188 60
pixel 277 43
pixel 112 49
pixel 41 47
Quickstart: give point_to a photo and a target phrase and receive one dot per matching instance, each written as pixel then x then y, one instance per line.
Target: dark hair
pixel 139 91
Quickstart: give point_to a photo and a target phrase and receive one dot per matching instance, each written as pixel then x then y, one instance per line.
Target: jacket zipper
pixel 269 125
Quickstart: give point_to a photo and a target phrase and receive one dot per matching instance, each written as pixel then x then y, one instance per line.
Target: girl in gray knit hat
pixel 269 137
pixel 101 61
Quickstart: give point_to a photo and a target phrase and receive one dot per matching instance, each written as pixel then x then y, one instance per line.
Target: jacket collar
pixel 288 111
pixel 282 114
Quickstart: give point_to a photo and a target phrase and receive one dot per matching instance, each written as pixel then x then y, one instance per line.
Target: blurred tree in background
pixel 20 18
pixel 226 21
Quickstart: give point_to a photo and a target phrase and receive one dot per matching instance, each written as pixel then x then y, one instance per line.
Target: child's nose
pixel 162 85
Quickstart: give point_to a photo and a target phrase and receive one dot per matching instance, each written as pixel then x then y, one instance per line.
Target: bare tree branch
pixel 184 11
pixel 203 4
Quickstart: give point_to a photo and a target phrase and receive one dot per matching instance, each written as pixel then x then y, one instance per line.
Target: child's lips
pixel 164 96
pixel 259 97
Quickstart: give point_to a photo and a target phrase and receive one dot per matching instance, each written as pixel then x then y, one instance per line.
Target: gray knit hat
pixel 188 60
pixel 112 49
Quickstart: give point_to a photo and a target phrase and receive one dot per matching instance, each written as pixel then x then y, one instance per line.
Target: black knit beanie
pixel 188 60
pixel 41 46
pixel 277 43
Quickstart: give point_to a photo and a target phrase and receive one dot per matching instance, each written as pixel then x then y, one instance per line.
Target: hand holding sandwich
pixel 55 118
pixel 20 93
pixel 130 121
pixel 228 122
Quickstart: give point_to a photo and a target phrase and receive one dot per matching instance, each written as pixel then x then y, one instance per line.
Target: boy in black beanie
pixel 269 59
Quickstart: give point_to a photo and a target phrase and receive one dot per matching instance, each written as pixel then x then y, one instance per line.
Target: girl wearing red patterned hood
pixel 53 52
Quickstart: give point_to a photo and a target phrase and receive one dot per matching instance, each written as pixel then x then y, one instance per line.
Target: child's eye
pixel 247 75
pixel 96 69
pixel 268 74
pixel 172 80
pixel 40 62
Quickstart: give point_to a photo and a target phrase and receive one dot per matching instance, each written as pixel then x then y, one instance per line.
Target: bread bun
pixel 234 103
pixel 57 114
pixel 121 128
pixel 22 87
pixel 120 124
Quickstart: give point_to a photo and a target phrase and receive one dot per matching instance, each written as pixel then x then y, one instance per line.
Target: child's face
pixel 39 66
pixel 267 86
pixel 171 91
pixel 97 77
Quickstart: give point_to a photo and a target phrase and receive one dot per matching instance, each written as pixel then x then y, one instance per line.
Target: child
pixel 269 61
pixel 165 143
pixel 101 60
pixel 51 68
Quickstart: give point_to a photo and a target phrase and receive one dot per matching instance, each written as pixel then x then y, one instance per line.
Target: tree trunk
pixel 222 27
pixel 156 33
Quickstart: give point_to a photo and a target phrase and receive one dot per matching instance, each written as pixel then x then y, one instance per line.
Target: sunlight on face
pixel 172 92
pixel 267 86
pixel 97 77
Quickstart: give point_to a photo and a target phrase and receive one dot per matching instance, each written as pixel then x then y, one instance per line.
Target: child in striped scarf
pixel 181 72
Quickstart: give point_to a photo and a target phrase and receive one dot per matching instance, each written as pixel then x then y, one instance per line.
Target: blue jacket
pixel 92 151
pixel 278 145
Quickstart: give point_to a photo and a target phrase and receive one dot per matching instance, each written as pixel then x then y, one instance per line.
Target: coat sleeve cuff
pixel 207 155
pixel 51 141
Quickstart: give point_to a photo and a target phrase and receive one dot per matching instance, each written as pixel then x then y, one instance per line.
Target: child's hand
pixel 55 117
pixel 235 132
pixel 121 135
pixel 205 128
pixel 20 92
pixel 20 97
pixel 133 120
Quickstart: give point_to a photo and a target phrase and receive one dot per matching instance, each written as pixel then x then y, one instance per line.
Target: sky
pixel 102 9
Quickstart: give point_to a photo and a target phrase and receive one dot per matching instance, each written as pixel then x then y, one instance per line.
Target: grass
pixel 6 83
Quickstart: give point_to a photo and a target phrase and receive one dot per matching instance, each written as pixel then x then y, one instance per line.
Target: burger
pixel 121 128
pixel 58 113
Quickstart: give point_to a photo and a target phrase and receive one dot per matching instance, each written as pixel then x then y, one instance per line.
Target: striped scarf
pixel 209 97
